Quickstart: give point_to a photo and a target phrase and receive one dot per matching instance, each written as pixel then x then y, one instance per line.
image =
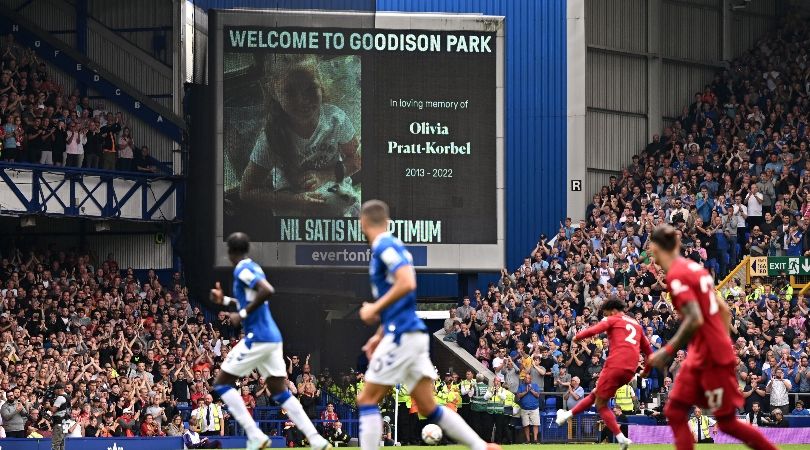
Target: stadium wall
pixel 643 65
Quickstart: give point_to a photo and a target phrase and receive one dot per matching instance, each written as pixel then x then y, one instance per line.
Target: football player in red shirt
pixel 707 376
pixel 627 340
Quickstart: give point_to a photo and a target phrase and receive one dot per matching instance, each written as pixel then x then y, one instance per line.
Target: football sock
pixel 297 414
pixel 610 420
pixel 746 433
pixel 371 427
pixel 237 408
pixel 583 404
pixel 677 414
pixel 456 428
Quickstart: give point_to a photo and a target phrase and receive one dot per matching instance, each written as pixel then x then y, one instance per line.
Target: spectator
pixel 800 409
pixel 755 416
pixel 307 394
pixel 128 422
pixel 10 133
pixel 125 150
pixel 93 143
pixel 329 416
pixel 175 427
pixel 14 413
pixel 73 425
pixel 150 428
pixel 76 141
pixel 144 162
pixel 109 144
pixel 574 393
pixel 778 387
pixel 528 397
pixel 338 438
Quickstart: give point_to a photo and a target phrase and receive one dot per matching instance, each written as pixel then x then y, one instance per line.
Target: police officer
pixel 59 411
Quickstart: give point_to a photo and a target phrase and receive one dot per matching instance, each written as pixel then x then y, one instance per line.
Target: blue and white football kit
pixel 261 349
pixel 402 355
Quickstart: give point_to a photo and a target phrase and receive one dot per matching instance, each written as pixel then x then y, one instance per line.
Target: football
pixel 431 434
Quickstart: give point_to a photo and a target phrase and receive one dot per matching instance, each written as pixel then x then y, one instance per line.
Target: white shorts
pixel 266 357
pixel 530 417
pixel 406 362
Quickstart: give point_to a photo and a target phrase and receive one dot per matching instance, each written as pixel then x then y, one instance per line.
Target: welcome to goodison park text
pixel 372 41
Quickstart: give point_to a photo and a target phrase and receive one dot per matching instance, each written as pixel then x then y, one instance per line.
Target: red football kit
pixel 707 376
pixel 627 340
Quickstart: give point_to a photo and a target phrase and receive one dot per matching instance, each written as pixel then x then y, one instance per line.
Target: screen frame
pixel 440 257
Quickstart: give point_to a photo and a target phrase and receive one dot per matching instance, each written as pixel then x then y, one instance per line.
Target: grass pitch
pixel 608 447
pixel 596 447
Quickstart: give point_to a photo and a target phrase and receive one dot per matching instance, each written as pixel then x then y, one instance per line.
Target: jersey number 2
pixel 631 338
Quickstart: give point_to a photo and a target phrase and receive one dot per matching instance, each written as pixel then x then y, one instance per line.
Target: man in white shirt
pixel 72 426
pixel 754 201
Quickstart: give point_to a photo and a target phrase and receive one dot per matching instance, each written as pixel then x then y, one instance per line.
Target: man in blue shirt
pixel 399 351
pixel 528 397
pixel 260 350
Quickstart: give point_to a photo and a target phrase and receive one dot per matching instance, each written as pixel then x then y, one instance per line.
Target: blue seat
pixel 551 404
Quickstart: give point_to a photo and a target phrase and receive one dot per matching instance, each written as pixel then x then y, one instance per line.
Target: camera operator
pixel 14 413
pixel 59 411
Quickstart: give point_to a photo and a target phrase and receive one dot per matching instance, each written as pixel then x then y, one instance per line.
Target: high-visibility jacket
pixel 203 414
pixel 510 403
pixel 452 397
pixel 404 396
pixel 478 403
pixel 466 386
pixel 497 400
pixel 624 398
pixel 700 426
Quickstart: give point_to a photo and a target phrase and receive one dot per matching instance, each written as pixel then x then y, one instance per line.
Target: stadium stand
pixel 126 345
pixel 43 124
pixel 732 173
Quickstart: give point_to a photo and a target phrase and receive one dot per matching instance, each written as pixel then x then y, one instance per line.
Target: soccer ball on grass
pixel 431 434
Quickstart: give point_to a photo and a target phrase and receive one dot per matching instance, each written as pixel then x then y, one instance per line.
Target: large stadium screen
pixel 317 119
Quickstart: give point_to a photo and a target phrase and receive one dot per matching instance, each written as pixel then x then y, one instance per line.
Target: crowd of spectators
pixel 42 124
pixel 732 173
pixel 132 353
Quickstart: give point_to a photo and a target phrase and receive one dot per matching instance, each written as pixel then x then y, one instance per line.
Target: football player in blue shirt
pixel 399 351
pixel 260 349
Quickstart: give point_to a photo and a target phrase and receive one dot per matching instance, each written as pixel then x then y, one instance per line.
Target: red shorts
pixel 610 380
pixel 713 387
